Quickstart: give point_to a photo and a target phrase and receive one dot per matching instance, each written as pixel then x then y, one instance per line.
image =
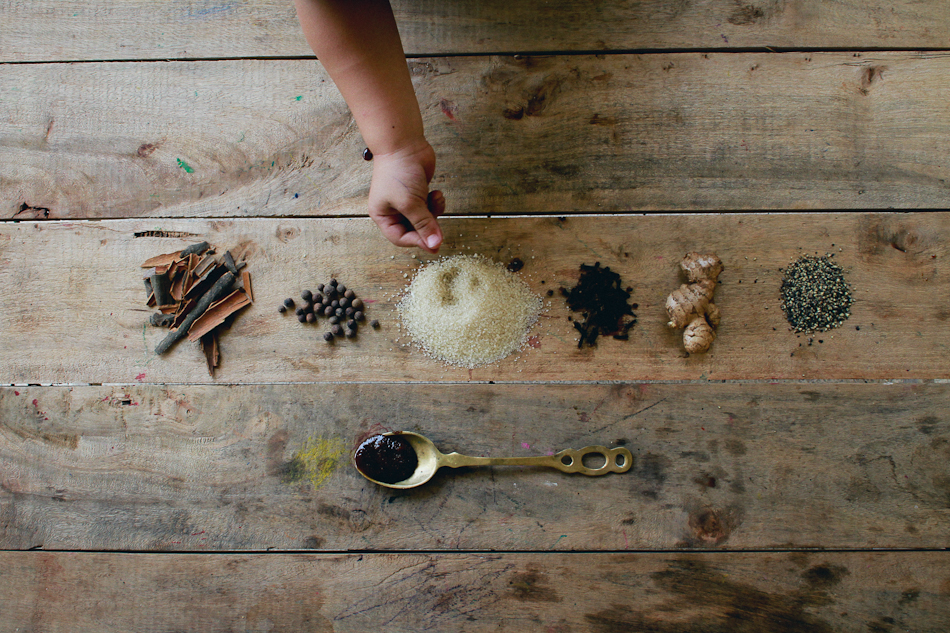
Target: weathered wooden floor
pixel 781 483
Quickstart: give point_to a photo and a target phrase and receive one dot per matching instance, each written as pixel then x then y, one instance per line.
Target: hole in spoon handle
pixel 615 460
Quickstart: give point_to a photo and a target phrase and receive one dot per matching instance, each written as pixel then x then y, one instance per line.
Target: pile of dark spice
pixel 343 310
pixel 599 297
pixel 197 295
pixel 386 458
pixel 815 295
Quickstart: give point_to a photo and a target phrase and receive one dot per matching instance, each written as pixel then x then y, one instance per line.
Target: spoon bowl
pixel 616 460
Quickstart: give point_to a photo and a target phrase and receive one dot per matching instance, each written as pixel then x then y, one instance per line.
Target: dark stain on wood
pixel 745 14
pixel 567 171
pixel 712 602
pixel 652 472
pixel 293 471
pixel 333 511
pixel 276 445
pixel 709 527
pixel 285 234
pixel 146 149
pixel 313 542
pixel 881 624
pixel 877 236
pixel 605 121
pixel 537 102
pixel 705 480
pixel 909 596
pixel 531 586
pixel 868 76
pixel 927 424
pixel 735 447
pixel 824 575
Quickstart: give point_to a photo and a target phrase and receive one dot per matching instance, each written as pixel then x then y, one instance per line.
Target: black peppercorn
pixel 310 317
pixel 333 283
pixel 328 337
pixel 349 311
pixel 358 304
pixel 341 289
pixel 282 309
pixel 351 324
pixel 337 330
pixel 335 304
pixel 349 294
pixel 302 318
pixel 339 312
pixel 375 324
pixel 300 311
pixel 359 316
pixel 344 302
pixel 334 320
pixel 328 311
pixel 350 333
pixel 306 295
pixel 320 287
pixel 289 302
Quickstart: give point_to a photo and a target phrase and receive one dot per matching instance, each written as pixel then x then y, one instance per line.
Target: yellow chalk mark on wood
pixel 318 458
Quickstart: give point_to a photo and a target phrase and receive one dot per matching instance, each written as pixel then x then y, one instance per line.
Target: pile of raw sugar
pixel 468 310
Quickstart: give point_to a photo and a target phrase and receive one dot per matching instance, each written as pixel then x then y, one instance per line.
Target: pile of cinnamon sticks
pixel 196 293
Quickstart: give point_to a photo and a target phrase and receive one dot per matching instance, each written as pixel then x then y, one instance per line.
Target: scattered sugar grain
pixel 468 310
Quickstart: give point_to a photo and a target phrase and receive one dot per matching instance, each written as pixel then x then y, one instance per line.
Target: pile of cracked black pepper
pixel 343 309
pixel 815 295
pixel 599 297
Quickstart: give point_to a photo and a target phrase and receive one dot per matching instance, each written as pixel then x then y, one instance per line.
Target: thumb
pixel 426 226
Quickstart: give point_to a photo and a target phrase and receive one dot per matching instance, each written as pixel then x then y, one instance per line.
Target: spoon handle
pixel 616 460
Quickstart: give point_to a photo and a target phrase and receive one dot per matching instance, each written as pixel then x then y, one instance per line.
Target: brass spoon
pixel 616 460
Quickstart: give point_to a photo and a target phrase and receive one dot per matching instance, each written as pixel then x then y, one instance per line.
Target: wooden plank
pixel 602 593
pixel 716 466
pixel 514 135
pixel 54 30
pixel 82 316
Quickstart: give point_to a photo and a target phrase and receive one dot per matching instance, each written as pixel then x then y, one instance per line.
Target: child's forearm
pixel 358 43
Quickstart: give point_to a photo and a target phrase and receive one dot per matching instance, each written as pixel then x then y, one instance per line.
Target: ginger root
pixel 690 306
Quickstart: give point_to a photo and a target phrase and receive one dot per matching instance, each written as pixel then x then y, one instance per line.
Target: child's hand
pixel 400 201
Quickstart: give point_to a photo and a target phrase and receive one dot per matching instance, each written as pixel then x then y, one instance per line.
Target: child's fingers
pixel 425 225
pixel 436 203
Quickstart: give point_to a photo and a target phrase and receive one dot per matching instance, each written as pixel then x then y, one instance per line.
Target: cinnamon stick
pixel 217 291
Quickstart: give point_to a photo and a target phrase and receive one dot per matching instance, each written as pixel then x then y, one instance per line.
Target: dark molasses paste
pixel 386 458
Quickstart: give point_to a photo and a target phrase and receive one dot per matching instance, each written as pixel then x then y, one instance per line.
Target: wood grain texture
pixel 52 30
pixel 82 318
pixel 461 593
pixel 514 135
pixel 716 466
